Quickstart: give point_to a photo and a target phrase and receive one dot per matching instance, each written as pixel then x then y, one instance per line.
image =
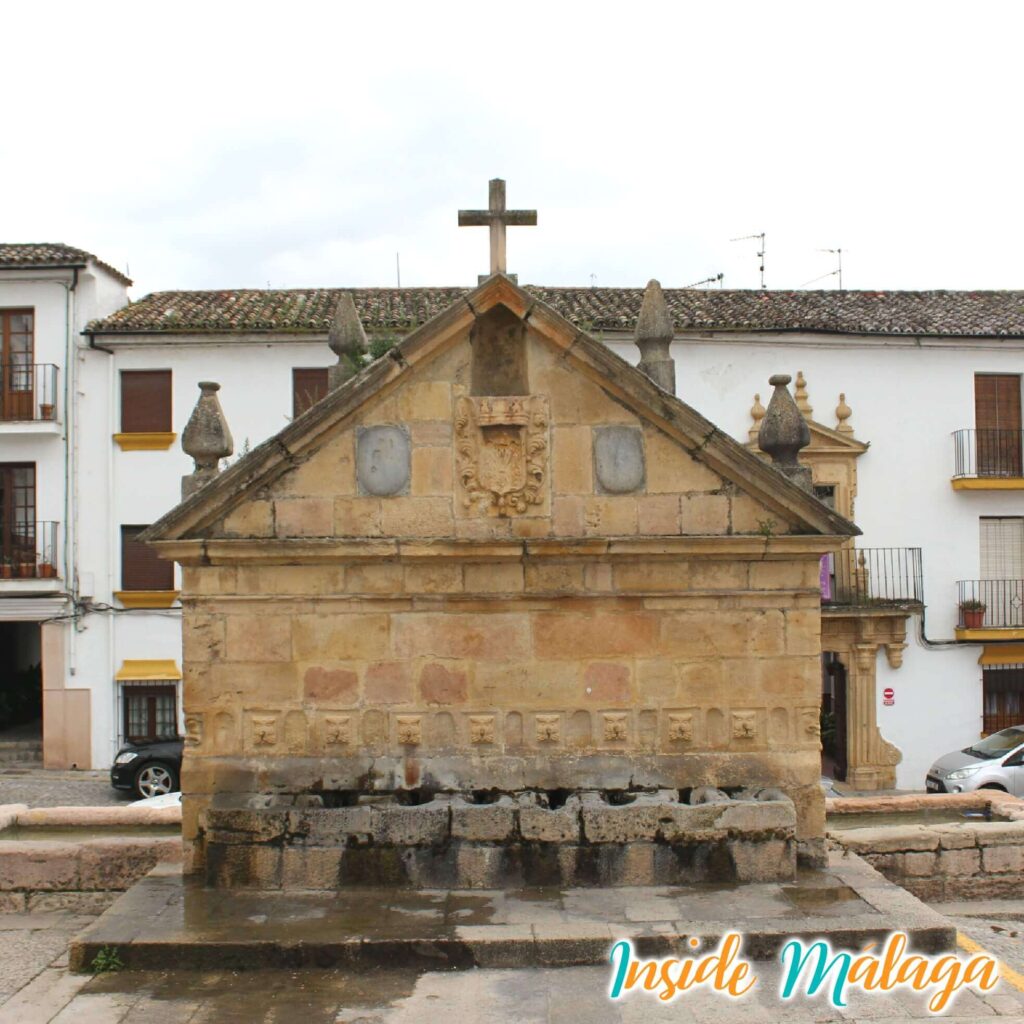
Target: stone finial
pixel 206 438
pixel 347 340
pixel 843 413
pixel 756 414
pixel 801 395
pixel 654 333
pixel 784 432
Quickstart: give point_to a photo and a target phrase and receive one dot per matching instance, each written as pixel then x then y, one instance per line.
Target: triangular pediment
pixel 601 450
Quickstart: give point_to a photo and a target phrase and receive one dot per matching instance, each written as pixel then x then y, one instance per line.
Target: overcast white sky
pixel 219 145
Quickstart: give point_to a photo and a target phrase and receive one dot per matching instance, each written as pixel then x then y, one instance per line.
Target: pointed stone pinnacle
pixel 654 333
pixel 206 438
pixel 347 340
pixel 784 432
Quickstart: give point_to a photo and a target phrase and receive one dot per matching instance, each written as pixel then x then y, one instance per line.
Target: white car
pixel 996 762
pixel 162 800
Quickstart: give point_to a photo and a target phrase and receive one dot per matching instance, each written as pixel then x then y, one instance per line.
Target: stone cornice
pixel 326 551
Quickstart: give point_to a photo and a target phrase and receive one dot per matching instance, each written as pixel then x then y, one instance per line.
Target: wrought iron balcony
pixel 28 391
pixel 29 551
pixel 872 577
pixel 988 454
pixel 991 604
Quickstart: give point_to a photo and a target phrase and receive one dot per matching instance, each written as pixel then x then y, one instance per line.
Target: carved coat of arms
pixel 501 446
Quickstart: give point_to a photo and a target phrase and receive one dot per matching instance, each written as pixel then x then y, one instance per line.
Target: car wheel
pixel 155 779
pixel 993 785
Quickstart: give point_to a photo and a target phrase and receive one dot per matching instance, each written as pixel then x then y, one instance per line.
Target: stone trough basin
pixel 80 857
pixel 592 838
pixel 939 847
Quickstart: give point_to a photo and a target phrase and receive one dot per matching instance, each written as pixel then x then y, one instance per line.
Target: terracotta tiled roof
pixel 14 255
pixel 978 313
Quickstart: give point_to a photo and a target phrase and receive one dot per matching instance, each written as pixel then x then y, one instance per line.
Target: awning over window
pixel 1002 654
pixel 144 669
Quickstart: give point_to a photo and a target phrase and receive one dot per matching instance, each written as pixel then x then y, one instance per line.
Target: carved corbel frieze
pixel 193 730
pixel 481 728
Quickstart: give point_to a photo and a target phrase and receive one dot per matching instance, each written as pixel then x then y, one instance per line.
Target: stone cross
pixel 497 218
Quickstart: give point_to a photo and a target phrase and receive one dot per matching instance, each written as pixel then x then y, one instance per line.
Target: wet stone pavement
pixel 36 988
pixel 483 996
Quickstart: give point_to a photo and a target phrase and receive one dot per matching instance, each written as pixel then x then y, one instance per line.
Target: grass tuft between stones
pixel 106 961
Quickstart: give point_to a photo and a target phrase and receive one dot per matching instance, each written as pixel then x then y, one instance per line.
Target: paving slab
pixel 167 921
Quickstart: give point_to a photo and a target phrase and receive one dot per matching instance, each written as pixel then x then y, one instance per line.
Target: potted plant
pixel 6 568
pixel 26 570
pixel 972 613
pixel 46 410
pixel 47 571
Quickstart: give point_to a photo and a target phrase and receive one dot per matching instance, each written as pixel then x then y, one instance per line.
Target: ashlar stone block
pixel 493 822
pixel 539 823
pixel 419 825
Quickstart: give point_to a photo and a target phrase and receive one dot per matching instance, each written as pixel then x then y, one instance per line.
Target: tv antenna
pixel 760 254
pixel 708 280
pixel 838 272
pixel 593 280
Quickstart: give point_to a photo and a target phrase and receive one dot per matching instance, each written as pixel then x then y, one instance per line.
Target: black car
pixel 148 769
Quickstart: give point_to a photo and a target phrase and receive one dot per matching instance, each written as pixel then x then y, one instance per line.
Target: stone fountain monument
pixel 498 611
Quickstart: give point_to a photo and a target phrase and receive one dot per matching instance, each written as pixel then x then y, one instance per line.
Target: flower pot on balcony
pixel 47 571
pixel 45 411
pixel 972 614
pixel 6 571
pixel 26 570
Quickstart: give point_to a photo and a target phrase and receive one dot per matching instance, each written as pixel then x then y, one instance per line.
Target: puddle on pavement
pixel 229 997
pixel 821 900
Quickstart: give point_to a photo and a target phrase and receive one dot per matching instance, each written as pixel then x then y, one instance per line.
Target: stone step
pixel 166 922
pixel 21 752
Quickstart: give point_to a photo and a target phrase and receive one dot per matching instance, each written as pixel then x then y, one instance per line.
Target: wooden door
pixel 17 395
pixel 18 514
pixel 997 424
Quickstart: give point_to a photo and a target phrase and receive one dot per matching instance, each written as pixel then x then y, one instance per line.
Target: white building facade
pixel 936 491
pixel 48 293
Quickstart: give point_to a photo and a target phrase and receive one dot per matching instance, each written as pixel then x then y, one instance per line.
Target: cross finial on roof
pixel 497 218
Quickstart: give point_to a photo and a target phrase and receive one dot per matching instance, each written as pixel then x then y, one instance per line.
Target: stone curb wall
pixel 84 875
pixel 977 860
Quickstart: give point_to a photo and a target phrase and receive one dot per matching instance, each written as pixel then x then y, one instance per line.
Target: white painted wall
pixel 908 397
pixel 138 487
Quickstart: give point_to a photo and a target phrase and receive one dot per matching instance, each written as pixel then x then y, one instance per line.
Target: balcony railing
pixel 28 391
pixel 988 453
pixel 872 577
pixel 29 551
pixel 1003 602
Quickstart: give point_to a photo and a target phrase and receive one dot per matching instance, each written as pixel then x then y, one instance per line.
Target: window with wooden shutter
pixel 141 567
pixel 1003 697
pixel 997 423
pixel 150 711
pixel 309 385
pixel 146 401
